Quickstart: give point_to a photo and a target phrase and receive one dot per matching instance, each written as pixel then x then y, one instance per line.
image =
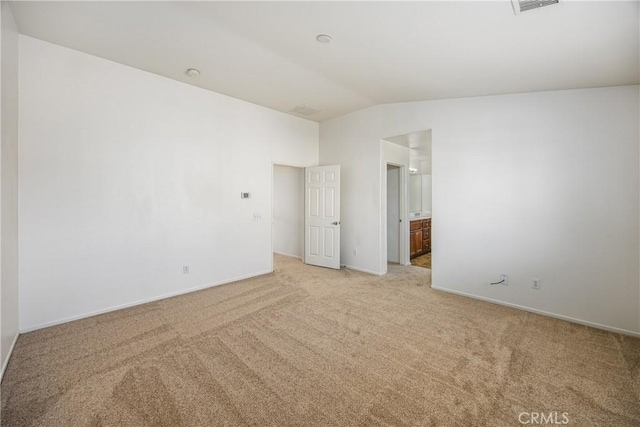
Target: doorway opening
pixel 288 211
pixel 420 207
pixel 410 152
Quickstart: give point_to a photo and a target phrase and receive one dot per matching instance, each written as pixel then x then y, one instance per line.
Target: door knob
pixel 335 222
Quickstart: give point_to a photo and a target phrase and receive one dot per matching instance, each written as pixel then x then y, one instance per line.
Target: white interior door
pixel 322 216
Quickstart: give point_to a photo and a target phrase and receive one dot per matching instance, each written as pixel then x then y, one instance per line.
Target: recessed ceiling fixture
pixel 526 5
pixel 323 38
pixel 192 72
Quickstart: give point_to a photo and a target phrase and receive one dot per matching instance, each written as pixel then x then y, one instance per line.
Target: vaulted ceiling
pixel 382 52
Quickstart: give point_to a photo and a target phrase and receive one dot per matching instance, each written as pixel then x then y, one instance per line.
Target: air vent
pixel 304 110
pixel 526 5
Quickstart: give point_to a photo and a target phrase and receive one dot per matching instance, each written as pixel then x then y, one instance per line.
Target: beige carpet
pixel 309 346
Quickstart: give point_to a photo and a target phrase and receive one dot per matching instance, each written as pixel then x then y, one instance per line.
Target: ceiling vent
pixel 526 5
pixel 304 110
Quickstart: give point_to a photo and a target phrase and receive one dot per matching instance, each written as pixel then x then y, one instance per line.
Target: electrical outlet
pixel 535 284
pixel 185 269
pixel 504 279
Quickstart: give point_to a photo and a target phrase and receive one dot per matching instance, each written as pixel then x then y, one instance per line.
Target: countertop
pixel 418 218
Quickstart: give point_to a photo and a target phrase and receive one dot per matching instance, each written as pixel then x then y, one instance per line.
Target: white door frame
pixel 394 223
pixel 289 165
pixel 403 254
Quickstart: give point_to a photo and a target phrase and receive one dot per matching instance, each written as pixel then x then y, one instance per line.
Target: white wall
pixel 8 186
pixel 531 185
pixel 126 176
pixel 393 214
pixel 288 210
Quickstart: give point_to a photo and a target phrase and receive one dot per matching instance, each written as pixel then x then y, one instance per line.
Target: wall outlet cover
pixel 535 284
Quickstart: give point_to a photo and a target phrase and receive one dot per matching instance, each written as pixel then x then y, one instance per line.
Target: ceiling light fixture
pixel 192 72
pixel 323 38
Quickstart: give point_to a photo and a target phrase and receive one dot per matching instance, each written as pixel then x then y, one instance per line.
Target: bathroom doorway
pixel 420 207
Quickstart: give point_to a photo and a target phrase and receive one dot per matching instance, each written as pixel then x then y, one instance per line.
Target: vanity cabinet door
pixel 426 236
pixel 415 243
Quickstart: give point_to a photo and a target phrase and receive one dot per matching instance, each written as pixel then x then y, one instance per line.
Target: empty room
pixel 421 213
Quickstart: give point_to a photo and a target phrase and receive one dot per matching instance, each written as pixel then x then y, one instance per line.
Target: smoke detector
pixel 520 6
pixel 323 38
pixel 304 110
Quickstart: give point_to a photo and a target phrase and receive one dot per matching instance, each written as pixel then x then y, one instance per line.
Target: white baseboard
pixel 362 270
pixel 285 254
pixel 139 302
pixel 542 312
pixel 6 362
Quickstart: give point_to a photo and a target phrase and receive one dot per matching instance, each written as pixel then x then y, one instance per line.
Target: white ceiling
pixel 382 52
